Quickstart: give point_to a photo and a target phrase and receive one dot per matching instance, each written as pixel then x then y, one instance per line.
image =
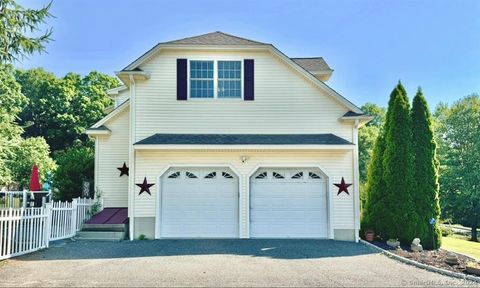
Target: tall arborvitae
pixel 426 190
pixel 374 210
pixel 400 219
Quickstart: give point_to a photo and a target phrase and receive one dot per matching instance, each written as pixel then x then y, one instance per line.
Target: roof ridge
pixel 316 57
pixel 212 33
pixel 242 38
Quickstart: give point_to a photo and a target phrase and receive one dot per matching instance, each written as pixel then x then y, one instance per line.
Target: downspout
pixel 356 181
pixel 131 160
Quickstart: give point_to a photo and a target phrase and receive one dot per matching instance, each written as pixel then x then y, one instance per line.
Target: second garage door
pixel 199 202
pixel 288 203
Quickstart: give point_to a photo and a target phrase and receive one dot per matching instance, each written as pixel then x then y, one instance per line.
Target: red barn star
pixel 144 187
pixel 342 187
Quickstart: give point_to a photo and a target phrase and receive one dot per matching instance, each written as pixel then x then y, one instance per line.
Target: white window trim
pixel 215 79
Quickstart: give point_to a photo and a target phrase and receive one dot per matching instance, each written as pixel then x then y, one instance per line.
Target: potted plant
pixel 369 235
pixel 473 268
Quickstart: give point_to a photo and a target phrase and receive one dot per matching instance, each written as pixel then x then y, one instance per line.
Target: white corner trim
pixel 241 147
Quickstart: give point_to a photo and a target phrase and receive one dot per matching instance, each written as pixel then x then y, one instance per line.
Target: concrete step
pixel 104 227
pixel 100 235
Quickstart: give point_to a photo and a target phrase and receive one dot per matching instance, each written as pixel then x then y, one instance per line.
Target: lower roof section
pixel 196 141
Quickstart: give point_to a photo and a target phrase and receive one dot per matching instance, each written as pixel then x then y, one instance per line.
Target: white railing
pixel 24 230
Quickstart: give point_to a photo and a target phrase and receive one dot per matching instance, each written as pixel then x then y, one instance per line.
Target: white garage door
pixel 288 203
pixel 199 203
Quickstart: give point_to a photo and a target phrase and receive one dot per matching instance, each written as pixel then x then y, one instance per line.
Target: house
pixel 219 136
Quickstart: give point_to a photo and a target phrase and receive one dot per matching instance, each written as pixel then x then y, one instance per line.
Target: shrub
pixel 446 231
pixel 75 165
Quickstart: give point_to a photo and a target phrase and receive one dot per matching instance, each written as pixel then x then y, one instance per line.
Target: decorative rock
pixel 452 259
pixel 394 243
pixel 416 246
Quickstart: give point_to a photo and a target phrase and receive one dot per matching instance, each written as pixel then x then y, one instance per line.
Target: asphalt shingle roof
pixel 314 64
pixel 215 38
pixel 353 114
pixel 244 139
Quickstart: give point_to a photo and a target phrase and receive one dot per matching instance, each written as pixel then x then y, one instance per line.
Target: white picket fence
pixel 24 230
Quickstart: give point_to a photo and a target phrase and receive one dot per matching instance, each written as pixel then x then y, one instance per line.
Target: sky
pixel 370 44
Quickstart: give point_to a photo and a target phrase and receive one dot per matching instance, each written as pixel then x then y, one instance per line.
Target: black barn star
pixel 123 170
pixel 144 187
pixel 342 187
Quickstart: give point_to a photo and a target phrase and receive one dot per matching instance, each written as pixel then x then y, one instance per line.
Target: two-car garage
pixel 204 203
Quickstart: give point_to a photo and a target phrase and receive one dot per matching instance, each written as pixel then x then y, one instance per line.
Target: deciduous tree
pixel 459 138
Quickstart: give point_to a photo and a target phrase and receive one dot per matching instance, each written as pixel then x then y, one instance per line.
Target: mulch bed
pixel 434 258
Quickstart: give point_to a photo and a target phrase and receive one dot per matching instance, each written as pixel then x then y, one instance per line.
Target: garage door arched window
pixel 211 175
pixel 190 175
pixel 312 175
pixel 174 175
pixel 227 175
pixel 262 175
pixel 298 175
pixel 278 175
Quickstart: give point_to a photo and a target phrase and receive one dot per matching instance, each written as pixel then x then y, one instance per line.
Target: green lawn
pixel 460 244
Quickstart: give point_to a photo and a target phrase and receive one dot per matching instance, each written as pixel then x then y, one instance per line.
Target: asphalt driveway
pixel 214 263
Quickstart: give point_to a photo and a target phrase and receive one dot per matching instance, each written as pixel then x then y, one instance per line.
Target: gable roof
pixel 211 40
pixel 313 64
pixel 243 139
pixel 215 38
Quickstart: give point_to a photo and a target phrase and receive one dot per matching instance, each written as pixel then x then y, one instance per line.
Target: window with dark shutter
pixel 182 79
pixel 248 80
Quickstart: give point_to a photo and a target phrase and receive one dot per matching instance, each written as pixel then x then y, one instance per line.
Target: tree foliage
pixel 17 155
pixel 17 25
pixel 12 102
pixel 366 141
pixel 426 190
pixel 459 138
pixel 389 207
pixel 31 151
pixel 374 209
pixel 75 165
pixel 60 109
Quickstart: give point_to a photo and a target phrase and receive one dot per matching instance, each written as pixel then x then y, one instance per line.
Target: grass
pixel 461 244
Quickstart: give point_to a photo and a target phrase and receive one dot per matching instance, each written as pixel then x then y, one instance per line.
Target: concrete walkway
pixel 215 263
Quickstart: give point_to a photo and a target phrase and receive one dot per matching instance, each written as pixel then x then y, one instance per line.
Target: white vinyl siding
pixel 112 153
pixel 121 97
pixel 337 164
pixel 285 101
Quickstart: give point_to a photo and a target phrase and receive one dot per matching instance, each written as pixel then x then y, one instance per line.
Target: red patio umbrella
pixel 35 180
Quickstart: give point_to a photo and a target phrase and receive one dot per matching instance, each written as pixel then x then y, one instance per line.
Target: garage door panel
pixel 199 207
pixel 287 207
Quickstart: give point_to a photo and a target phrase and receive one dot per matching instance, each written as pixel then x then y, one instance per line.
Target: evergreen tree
pixel 400 216
pixel 426 190
pixel 374 210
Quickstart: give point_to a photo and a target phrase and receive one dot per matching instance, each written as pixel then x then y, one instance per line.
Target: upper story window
pixel 229 79
pixel 201 79
pixel 215 79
